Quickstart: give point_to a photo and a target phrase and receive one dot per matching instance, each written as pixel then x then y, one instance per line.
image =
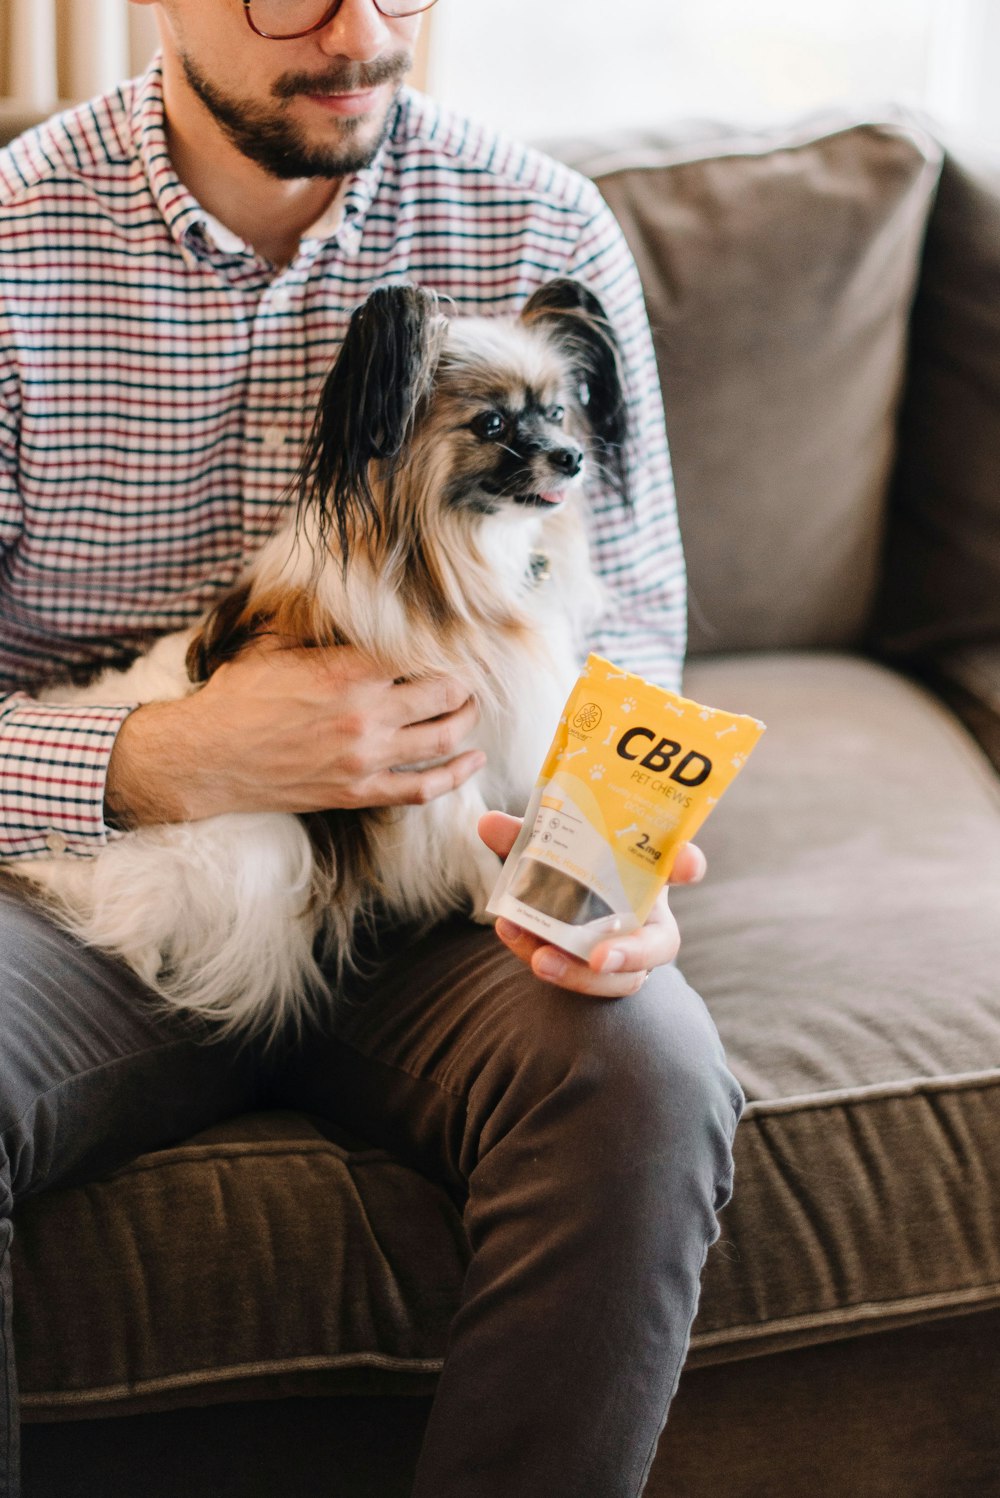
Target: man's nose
pixel 358 31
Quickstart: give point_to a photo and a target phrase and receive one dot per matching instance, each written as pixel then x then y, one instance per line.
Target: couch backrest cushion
pixel 779 271
pixel 942 573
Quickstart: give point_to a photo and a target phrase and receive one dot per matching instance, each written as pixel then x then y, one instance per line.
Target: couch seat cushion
pixel 268 1256
pixel 847 942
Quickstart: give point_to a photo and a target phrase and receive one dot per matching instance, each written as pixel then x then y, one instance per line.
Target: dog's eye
pixel 488 424
pixel 555 414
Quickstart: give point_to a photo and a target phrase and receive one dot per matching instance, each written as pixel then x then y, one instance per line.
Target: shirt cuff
pixel 53 767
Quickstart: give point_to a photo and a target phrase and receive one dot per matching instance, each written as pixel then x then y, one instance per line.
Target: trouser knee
pixel 640 1090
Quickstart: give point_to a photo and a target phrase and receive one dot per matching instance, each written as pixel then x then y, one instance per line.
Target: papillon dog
pixel 440 529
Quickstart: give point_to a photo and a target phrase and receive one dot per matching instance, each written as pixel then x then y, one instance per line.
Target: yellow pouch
pixel 632 773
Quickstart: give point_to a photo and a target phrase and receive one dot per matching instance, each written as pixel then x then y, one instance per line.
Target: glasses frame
pixel 325 19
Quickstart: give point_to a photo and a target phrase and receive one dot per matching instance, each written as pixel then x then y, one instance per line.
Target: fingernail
pixel 550 966
pixel 506 930
pixel 478 761
pixel 614 962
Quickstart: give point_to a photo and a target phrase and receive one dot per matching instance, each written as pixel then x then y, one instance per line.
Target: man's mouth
pixel 347 104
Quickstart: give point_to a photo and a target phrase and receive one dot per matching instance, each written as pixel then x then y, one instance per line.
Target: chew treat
pixel 632 773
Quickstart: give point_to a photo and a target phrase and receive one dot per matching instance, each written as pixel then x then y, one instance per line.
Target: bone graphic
pixel 574 753
pixel 616 676
pixel 673 708
pixel 723 731
pixel 611 734
pixel 632 827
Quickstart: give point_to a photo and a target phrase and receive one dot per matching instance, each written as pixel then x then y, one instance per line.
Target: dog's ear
pixel 368 407
pixel 576 319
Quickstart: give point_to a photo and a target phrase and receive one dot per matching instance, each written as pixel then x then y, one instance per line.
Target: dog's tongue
pixel 551 499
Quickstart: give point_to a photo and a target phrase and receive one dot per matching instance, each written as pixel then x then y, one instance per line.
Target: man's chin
pixel 303 136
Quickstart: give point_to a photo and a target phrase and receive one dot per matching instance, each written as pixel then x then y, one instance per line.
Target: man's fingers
pixel 619 965
pixel 418 701
pixel 437 737
pixel 555 966
pixel 417 787
pixel 653 945
pixel 499 831
pixel 690 865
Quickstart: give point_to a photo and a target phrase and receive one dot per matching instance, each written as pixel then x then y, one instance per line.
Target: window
pixel 544 68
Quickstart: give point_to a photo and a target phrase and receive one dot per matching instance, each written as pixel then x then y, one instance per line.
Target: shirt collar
pixel 325 227
pixel 188 222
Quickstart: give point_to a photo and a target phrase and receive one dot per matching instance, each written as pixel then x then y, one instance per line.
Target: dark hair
pixel 581 327
pixel 368 408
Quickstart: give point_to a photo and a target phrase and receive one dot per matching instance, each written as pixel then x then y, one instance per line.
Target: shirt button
pixel 281 301
pixel 55 842
pixel 274 437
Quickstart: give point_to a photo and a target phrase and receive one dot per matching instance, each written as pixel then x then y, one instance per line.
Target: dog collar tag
pixel 539 568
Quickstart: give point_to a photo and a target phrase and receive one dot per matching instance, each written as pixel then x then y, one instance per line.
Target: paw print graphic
pixel 738 761
pixel 628 704
pixel 597 773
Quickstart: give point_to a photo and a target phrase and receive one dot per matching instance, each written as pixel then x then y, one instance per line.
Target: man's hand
pixel 291 730
pixel 616 967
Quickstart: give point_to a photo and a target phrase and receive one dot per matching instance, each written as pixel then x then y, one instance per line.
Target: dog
pixel 440 528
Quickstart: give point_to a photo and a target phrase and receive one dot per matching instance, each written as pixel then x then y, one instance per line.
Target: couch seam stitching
pixel 893 1091
pixel 990 1291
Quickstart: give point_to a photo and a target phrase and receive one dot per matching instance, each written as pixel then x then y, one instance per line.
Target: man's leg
pixel 91 1074
pixel 593 1139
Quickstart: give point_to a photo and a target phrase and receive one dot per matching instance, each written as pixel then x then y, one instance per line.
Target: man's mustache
pixel 354 78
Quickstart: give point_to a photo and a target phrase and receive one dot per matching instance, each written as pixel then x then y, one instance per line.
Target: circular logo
pixel 588 717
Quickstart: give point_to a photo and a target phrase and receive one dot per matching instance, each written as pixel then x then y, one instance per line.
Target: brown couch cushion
pixel 779 270
pixel 847 943
pixel 942 573
pixel 267 1256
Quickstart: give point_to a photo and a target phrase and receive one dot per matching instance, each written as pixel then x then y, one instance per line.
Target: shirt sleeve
pixel 53 760
pixel 637 552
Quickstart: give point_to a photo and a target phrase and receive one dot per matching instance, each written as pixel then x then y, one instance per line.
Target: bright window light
pixel 544 68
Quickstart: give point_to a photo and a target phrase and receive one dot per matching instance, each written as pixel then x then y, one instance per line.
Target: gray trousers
pixel 590 1140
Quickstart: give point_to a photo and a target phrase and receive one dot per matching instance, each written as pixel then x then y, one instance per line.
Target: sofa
pixel 261 1310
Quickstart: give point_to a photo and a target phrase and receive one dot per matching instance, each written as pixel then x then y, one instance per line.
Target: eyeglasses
pixel 284 20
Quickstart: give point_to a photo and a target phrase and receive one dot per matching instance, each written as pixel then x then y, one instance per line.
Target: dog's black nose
pixel 567 460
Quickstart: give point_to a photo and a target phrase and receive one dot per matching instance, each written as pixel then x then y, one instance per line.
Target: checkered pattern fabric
pixel 157 379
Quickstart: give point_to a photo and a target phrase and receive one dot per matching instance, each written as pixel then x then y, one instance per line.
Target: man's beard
pixel 278 144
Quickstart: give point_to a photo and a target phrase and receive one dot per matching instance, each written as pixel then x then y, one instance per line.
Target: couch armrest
pixel 968 680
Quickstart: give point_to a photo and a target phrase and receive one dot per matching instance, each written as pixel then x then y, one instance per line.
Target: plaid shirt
pixel 157 378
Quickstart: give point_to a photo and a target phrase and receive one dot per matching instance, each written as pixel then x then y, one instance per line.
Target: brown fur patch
pixel 224 632
pixel 242 617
